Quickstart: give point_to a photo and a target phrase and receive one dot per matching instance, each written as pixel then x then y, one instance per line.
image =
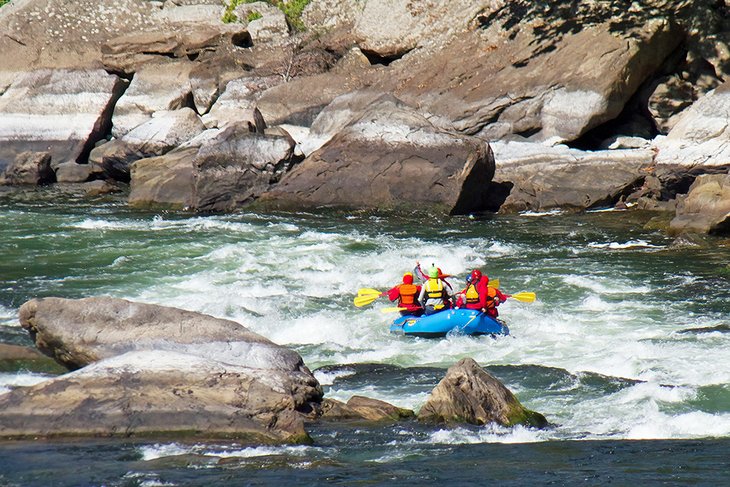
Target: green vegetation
pixel 3 2
pixel 292 10
pixel 253 15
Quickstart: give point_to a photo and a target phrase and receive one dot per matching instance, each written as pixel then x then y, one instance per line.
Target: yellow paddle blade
pixel 525 297
pixel 391 309
pixel 361 301
pixel 366 291
pixel 494 283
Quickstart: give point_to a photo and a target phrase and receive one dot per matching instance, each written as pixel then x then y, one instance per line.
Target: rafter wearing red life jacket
pixel 480 295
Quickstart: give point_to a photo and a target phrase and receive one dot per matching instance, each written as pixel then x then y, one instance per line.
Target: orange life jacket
pixel 407 294
pixel 491 294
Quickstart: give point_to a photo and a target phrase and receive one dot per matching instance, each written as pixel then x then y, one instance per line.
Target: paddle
pixel 366 291
pixel 525 297
pixel 361 301
pixel 391 309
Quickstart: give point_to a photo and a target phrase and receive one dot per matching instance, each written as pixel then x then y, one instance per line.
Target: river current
pixel 625 350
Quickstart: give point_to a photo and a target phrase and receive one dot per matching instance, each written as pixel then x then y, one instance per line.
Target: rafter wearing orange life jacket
pixel 406 294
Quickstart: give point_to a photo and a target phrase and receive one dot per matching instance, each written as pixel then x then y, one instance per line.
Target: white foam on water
pixel 540 213
pixel 161 450
pixel 604 285
pixel 631 244
pixel 327 378
pixel 11 380
pixel 488 434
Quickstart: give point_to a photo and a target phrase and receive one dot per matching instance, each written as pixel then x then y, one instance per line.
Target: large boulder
pixel 532 176
pixel 360 408
pixel 701 137
pixel 165 131
pixel 546 88
pixel 57 34
pixel 154 88
pixel 228 169
pixel 77 332
pixel 155 392
pixel 469 394
pixel 237 103
pixel 706 208
pixel 29 168
pixel 62 112
pixel 392 156
pixel 130 52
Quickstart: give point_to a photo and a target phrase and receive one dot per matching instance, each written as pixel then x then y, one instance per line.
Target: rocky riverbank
pixel 148 370
pixel 493 105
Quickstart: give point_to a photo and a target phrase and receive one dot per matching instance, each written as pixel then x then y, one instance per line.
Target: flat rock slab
pixel 153 393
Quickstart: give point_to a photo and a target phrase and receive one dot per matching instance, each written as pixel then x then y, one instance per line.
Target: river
pixel 624 351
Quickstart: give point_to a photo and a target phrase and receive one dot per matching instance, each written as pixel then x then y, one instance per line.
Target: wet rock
pixel 363 409
pixel 392 156
pixel 29 168
pixel 230 169
pixel 99 187
pixel 165 131
pixel 155 392
pixel 706 208
pixel 62 112
pixel 537 177
pixel 468 394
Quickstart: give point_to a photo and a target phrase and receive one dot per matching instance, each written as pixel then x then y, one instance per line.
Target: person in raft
pixel 424 277
pixel 478 294
pixel 434 295
pixel 406 295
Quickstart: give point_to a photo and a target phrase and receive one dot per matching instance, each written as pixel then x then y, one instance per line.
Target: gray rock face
pixel 29 168
pixel 468 394
pixel 392 156
pixel 538 177
pixel 163 132
pixel 270 27
pixel 236 104
pixel 71 172
pixel 63 112
pixel 161 392
pixel 79 332
pixel 226 171
pixel 706 208
pixel 154 88
pixel 701 137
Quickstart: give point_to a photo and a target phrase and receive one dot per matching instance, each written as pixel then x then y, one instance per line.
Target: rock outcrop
pixel 147 369
pixel 392 156
pixel 155 392
pixel 165 131
pixel 62 112
pixel 229 168
pixel 706 208
pixel 536 177
pixel 29 168
pixel 468 394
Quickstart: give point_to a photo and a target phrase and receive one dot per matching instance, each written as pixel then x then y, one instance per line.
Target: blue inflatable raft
pixel 456 321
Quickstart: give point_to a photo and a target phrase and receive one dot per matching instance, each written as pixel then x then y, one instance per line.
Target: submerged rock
pixel 157 392
pixel 468 394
